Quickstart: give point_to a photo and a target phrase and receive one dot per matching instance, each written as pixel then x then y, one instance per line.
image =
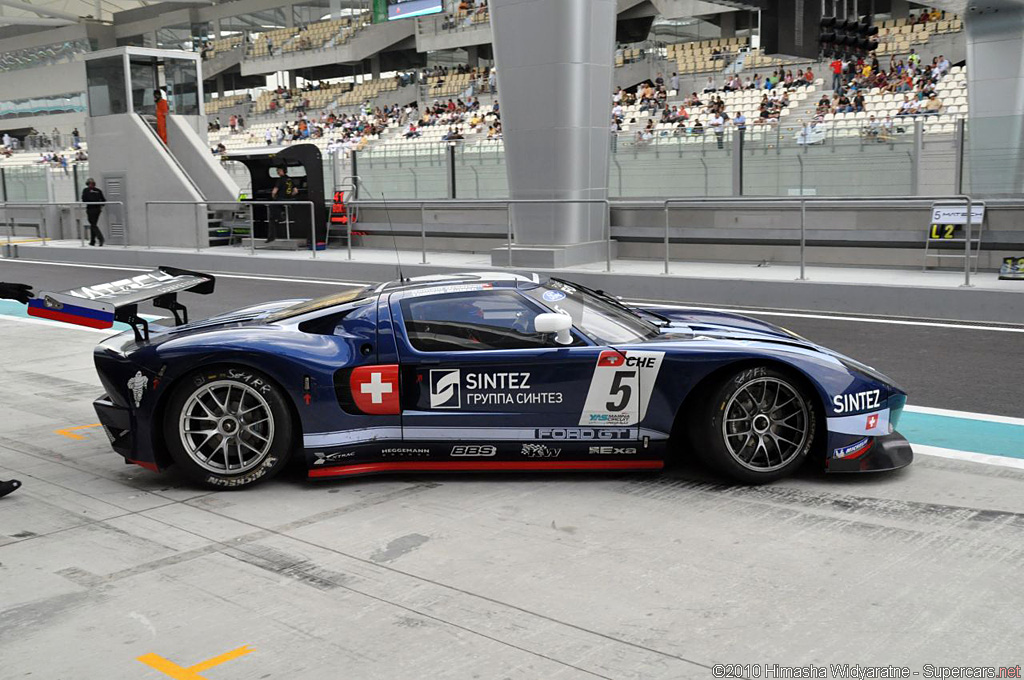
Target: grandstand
pixel 228 101
pixel 897 36
pixel 313 36
pixel 704 55
pixel 348 92
pixel 214 47
pixel 455 84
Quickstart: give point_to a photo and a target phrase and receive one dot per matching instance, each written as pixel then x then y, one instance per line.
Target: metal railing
pixel 665 206
pixel 57 204
pixel 507 203
pixel 236 205
pixel 802 203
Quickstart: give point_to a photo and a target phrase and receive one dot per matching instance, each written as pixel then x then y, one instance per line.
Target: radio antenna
pixel 394 240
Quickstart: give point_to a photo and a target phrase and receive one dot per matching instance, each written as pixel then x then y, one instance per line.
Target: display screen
pixel 403 9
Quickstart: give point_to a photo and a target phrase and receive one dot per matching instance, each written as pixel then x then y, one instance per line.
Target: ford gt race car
pixel 473 372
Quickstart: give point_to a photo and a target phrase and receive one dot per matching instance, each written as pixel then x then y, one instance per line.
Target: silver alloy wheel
pixel 226 427
pixel 766 424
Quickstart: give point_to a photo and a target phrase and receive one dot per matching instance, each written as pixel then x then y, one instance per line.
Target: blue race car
pixel 472 372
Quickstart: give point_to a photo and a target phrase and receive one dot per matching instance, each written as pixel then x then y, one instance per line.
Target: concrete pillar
pixel 335 9
pixel 289 16
pixel 554 62
pixel 375 66
pixel 899 9
pixel 995 77
pixel 472 56
pixel 220 84
pixel 727 24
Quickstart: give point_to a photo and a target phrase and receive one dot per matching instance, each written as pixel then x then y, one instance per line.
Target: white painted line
pixel 830 317
pixel 222 275
pixel 1008 420
pixel 983 458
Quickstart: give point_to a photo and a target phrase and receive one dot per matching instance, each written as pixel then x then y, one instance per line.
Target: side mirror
pixel 559 324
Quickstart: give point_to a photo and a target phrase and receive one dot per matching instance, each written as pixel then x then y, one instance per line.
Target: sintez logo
pixel 445 388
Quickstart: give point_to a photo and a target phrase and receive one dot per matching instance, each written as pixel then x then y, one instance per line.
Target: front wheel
pixel 758 425
pixel 228 428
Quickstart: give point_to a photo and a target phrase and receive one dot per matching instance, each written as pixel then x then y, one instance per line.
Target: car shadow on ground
pixel 680 471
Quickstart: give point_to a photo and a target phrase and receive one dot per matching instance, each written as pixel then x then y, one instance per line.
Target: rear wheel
pixel 758 425
pixel 228 428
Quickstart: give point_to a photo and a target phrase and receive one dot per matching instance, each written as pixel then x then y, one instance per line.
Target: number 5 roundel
pixel 375 389
pixel 621 388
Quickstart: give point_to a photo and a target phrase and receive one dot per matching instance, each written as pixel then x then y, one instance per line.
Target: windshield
pixel 603 321
pixel 316 304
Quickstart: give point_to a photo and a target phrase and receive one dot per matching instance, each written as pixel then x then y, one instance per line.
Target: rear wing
pixel 101 305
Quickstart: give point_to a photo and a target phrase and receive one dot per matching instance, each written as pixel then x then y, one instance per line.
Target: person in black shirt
pixel 92 194
pixel 284 190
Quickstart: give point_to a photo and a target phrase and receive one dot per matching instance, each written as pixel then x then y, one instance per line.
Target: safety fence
pixel 786 236
pixel 797 235
pixel 37 217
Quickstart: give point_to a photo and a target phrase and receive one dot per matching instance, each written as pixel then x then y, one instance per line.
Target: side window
pixel 472 321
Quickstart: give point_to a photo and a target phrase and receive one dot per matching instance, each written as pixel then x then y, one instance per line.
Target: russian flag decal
pixel 47 307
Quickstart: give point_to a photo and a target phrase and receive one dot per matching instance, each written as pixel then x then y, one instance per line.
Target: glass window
pixel 176 37
pixel 144 81
pixel 105 80
pixel 472 321
pixel 317 304
pixel 602 320
pixel 72 102
pixel 182 87
pixel 43 55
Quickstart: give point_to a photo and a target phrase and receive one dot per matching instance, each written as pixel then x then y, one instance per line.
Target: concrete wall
pixel 124 145
pixel 203 167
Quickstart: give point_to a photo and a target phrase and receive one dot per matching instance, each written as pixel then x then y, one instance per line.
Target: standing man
pixel 284 190
pixel 717 125
pixel 91 194
pixel 161 114
pixel 837 74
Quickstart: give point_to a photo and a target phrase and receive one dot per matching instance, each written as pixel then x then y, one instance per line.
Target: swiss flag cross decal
pixel 872 421
pixel 375 389
pixel 610 358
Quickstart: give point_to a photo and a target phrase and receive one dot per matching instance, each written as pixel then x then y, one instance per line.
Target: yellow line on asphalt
pixel 218 660
pixel 173 670
pixel 69 432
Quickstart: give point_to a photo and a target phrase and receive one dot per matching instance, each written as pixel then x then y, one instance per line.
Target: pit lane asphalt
pixel 963 368
pixel 562 576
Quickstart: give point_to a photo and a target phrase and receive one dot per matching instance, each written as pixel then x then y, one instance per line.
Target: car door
pixel 355 409
pixel 479 384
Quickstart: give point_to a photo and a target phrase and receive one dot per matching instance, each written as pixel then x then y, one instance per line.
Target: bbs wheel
pixel 228 428
pixel 758 425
